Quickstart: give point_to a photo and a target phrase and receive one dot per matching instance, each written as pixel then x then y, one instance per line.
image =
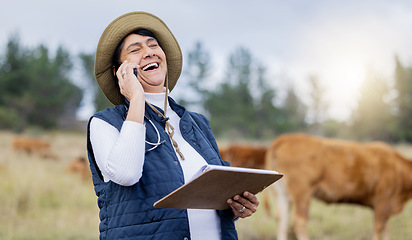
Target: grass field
pixel 39 200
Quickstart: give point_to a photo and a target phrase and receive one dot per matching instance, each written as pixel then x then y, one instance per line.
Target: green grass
pixel 40 201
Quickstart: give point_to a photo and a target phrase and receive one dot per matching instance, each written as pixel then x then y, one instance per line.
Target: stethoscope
pixel 154 145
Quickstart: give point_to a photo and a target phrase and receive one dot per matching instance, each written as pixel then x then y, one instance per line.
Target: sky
pixel 337 41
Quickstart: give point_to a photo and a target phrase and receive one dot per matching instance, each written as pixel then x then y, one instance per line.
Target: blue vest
pixel 127 212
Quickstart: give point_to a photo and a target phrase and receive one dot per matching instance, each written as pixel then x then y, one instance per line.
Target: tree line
pixel 37 90
pixel 245 105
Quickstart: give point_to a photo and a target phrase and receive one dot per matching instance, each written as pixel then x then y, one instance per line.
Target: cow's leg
pixel 380 223
pixel 301 202
pixel 282 210
pixel 386 235
pixel 266 199
pixel 378 228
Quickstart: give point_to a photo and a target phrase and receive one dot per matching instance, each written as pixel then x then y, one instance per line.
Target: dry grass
pixel 328 222
pixel 40 201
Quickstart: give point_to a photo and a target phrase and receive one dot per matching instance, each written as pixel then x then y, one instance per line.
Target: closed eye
pixel 135 50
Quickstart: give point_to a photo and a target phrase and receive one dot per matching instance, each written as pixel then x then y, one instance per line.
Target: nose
pixel 149 52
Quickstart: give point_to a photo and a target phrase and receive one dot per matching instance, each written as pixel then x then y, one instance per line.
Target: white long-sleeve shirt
pixel 120 157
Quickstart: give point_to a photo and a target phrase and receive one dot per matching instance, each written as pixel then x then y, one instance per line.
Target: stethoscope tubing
pixel 155 145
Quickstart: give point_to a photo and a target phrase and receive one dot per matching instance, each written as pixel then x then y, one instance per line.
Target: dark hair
pixel 116 56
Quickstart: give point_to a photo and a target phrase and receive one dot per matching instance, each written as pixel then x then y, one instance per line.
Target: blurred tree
pixel 371 119
pixel 266 112
pixel 100 101
pixel 292 115
pixel 319 106
pixel 193 88
pixel 242 106
pixel 231 106
pixel 336 129
pixel 198 67
pixel 14 77
pixel 403 101
pixel 36 87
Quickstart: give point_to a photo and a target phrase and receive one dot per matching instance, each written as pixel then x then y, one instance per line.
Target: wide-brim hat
pixel 115 32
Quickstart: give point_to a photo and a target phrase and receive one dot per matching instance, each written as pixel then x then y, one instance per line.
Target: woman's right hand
pixel 132 90
pixel 129 85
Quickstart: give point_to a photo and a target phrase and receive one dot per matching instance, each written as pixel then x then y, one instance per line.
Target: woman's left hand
pixel 245 205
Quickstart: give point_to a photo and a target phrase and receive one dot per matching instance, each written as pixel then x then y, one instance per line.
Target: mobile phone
pixel 135 71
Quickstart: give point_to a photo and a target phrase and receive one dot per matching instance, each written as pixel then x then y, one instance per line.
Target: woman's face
pixel 146 52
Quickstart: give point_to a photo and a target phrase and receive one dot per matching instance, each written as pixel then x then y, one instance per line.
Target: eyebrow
pixel 140 44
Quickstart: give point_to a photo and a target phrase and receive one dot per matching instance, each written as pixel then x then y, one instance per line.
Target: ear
pixel 114 74
pixel 116 66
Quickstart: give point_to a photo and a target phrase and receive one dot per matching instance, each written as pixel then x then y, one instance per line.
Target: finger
pixel 252 198
pixel 238 209
pixel 251 203
pixel 126 69
pixel 121 69
pixel 129 69
pixel 233 205
pixel 120 73
pixel 127 80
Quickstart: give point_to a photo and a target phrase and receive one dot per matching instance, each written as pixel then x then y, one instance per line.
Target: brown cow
pixel 335 171
pixel 79 166
pixel 248 156
pixel 32 146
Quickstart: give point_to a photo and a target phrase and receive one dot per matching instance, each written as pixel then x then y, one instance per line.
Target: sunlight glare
pixel 343 78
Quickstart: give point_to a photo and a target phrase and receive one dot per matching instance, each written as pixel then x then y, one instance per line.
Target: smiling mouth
pixel 150 66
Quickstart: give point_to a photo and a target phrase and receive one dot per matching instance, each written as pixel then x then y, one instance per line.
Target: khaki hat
pixel 115 32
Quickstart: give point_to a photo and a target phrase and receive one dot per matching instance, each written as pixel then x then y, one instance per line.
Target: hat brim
pixel 115 32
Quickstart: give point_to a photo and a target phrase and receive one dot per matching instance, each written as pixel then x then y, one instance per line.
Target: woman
pixel 148 145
